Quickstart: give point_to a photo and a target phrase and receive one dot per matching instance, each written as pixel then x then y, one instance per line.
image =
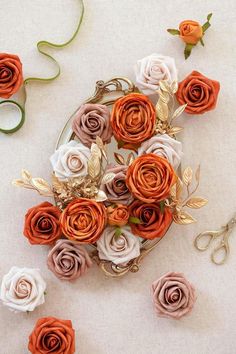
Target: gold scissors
pixel 223 245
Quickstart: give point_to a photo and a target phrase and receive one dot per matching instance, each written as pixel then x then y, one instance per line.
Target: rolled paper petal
pixel 92 120
pixel 68 260
pixel 152 69
pixel 173 295
pixel 70 160
pixel 198 92
pixel 165 146
pixel 52 335
pixel 22 289
pixel 118 249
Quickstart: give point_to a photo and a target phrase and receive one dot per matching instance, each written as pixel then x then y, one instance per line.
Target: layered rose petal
pixel 11 76
pixel 42 224
pixel 133 120
pixel 199 92
pixel 118 249
pixel 83 220
pixel 190 31
pixel 152 69
pixel 118 215
pixel 153 222
pixel 173 295
pixel 52 335
pixel 68 260
pixel 150 178
pixel 165 146
pixel 92 120
pixel 22 289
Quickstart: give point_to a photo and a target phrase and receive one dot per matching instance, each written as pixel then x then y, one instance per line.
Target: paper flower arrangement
pixel 108 209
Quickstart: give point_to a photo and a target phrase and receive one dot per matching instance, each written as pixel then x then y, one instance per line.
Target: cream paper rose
pixel 22 289
pixel 70 160
pixel 152 69
pixel 118 249
pixel 164 146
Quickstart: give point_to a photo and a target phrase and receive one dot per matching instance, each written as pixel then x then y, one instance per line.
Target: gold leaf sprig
pixel 165 112
pixel 178 204
pixel 121 160
pixel 34 183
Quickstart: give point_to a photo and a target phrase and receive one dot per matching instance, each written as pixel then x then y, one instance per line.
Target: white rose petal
pixel 22 289
pixel 70 160
pixel 164 146
pixel 119 250
pixel 152 69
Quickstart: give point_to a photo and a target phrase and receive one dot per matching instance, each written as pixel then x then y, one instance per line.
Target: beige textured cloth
pixel 117 316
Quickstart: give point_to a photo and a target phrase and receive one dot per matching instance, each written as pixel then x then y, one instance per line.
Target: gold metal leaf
pixel 26 175
pixel 179 188
pixel 99 142
pixel 130 159
pixel 101 196
pixel 119 158
pixel 164 96
pixel 179 111
pixel 19 183
pixel 197 173
pixel 196 202
pixel 187 176
pixel 164 85
pixel 108 177
pixel 42 186
pixel 94 166
pixel 174 87
pixel 95 150
pixel 162 110
pixel 183 218
pixel 174 130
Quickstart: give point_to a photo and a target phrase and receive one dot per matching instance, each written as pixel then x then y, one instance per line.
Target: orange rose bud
pixel 153 222
pixel 118 215
pixel 83 220
pixel 11 76
pixel 133 120
pixel 199 92
pixel 150 178
pixel 190 31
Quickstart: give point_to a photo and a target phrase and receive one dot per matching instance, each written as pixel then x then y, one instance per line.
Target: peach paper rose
pixel 68 260
pixel 173 295
pixel 11 77
pixel 150 177
pixel 133 120
pixel 199 92
pixel 190 31
pixel 153 222
pixel 92 120
pixel 83 220
pixel 52 335
pixel 118 215
pixel 42 226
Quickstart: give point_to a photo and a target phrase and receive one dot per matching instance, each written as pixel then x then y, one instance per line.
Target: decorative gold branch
pixel 37 184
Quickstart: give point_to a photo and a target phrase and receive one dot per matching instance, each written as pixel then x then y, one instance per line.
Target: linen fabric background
pixel 116 316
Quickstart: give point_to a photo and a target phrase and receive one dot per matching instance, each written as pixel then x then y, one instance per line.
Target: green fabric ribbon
pixel 41 46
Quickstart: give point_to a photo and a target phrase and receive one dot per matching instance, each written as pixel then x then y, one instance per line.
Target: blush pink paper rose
pixel 68 260
pixel 173 295
pixel 92 120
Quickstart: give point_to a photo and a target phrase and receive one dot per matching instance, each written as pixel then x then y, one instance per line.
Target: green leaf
pixel 187 50
pixel 162 206
pixel 206 26
pixel 120 144
pixel 134 220
pixel 174 32
pixel 118 232
pixel 209 16
pixel 202 43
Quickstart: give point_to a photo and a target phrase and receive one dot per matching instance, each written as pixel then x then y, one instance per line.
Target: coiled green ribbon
pixel 40 46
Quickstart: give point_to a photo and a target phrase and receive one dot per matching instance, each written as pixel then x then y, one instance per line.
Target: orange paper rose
pixel 150 177
pixel 190 31
pixel 42 224
pixel 52 335
pixel 118 215
pixel 153 222
pixel 133 120
pixel 11 77
pixel 199 92
pixel 83 220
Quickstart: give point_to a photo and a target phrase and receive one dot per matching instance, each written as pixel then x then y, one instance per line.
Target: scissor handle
pixel 210 235
pixel 223 246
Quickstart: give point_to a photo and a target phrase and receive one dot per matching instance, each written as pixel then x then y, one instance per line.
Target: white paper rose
pixel 164 146
pixel 119 250
pixel 152 69
pixel 70 160
pixel 22 289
